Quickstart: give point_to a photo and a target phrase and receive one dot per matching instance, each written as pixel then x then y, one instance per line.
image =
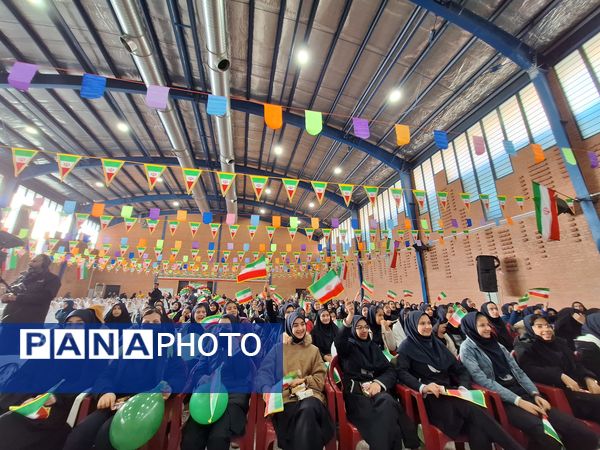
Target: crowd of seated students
pixel 506 349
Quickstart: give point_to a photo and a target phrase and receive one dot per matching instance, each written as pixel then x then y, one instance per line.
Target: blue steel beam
pixel 48 81
pixel 524 57
pixel 36 170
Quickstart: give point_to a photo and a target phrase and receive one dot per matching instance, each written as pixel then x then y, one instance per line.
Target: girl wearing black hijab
pixel 568 325
pixel 381 333
pixel 468 305
pixel 305 422
pixel 61 314
pixel 427 366
pixel 491 365
pixel 548 359
pixel 588 344
pixel 323 333
pixel 490 310
pixel 368 378
pixel 117 314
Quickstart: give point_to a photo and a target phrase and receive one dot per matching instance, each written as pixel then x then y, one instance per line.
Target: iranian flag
pixel 244 296
pixel 326 288
pixel 191 177
pixel 82 271
pixel 66 163
pixel 550 431
pixel 502 201
pixel 80 219
pixel 539 292
pixel 371 192
pixel 105 221
pixel 522 303
pixel 129 223
pixel 442 296
pixel 194 226
pixel 226 180
pixel 270 232
pixel 153 173
pixel 466 198
pixel 458 315
pixel 252 231
pixel 443 199
pixel 151 223
pixel 369 287
pixel 214 229
pixel 471 395
pixel 391 295
pixel 273 402
pixel 21 159
pixel 546 212
pixel 485 200
pixel 211 320
pixel 397 195
pixel 233 229
pixel 520 201
pixel 407 293
pixel 292 232
pixel 346 190
pixel 320 187
pixel 290 187
pixel 111 168
pixel 278 298
pixel 254 270
pixel 419 197
pixel 173 224
pixel 309 233
pixel 34 408
pixel 258 184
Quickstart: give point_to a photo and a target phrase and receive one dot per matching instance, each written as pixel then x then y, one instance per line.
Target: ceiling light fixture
pixel 99 183
pixel 175 203
pixel 302 56
pixel 395 95
pixel 278 150
pixel 311 205
pixel 267 190
pixel 337 170
pixel 160 179
pixel 31 130
pixel 122 126
pixel 262 211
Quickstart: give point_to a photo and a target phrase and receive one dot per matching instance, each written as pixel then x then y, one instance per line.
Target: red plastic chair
pixel 349 436
pixel 246 442
pixel 494 400
pixel 435 439
pixel 558 399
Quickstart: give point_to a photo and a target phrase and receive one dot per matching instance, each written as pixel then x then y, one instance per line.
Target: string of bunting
pixel 157 97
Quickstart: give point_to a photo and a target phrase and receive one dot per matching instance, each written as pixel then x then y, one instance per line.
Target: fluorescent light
pixel 302 56
pixel 122 126
pixel 395 95
pixel 337 170
pixel 311 205
pixel 267 190
pixel 31 130
pixel 99 183
pixel 278 150
pixel 262 210
pixel 160 179
pixel 175 203
pixel 37 2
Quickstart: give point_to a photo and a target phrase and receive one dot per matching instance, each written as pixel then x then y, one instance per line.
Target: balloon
pixel 137 421
pixel 207 408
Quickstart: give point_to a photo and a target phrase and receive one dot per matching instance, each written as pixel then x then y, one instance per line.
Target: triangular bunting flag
pixel 173 224
pixel 371 192
pixel 258 184
pixel 309 233
pixel 153 173
pixel 420 198
pixel 214 229
pixel 226 180
pixel 194 226
pixel 270 232
pixel 151 223
pixel 320 187
pixel 502 201
pixel 66 163
pixel 485 200
pixel 397 196
pixel 290 187
pixel 520 201
pixel 292 232
pixel 466 198
pixel 233 229
pixel 21 159
pixel 111 168
pixel 252 231
pixel 190 177
pixel 105 221
pixel 80 218
pixel 443 199
pixel 346 190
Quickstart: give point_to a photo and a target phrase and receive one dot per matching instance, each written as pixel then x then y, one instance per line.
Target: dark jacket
pixel 589 355
pixel 545 363
pixel 31 306
pixel 413 374
pixel 155 296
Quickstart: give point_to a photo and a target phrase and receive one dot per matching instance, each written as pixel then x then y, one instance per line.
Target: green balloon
pixel 206 410
pixel 137 421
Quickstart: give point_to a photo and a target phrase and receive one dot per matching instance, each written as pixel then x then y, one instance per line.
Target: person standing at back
pixel 29 296
pixel 155 295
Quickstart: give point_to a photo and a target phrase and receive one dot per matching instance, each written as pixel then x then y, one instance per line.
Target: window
pixel 434 211
pixel 513 123
pixel 494 139
pixel 539 126
pixel 580 90
pixel 436 161
pixel 465 166
pixel 485 176
pixel 450 164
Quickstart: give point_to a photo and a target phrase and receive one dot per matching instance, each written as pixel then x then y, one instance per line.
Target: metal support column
pixel 356 216
pixel 411 212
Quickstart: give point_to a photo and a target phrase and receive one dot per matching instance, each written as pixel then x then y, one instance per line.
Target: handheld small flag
pixel 391 295
pixel 326 288
pixel 473 396
pixel 442 296
pixel 369 287
pixel 407 293
pixel 539 292
pixel 550 431
pixel 243 296
pixel 456 318
pixel 546 212
pixel 254 270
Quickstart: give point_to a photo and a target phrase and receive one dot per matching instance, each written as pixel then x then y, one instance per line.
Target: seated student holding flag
pixel 302 422
pixel 368 378
pixel 427 366
pixel 491 366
